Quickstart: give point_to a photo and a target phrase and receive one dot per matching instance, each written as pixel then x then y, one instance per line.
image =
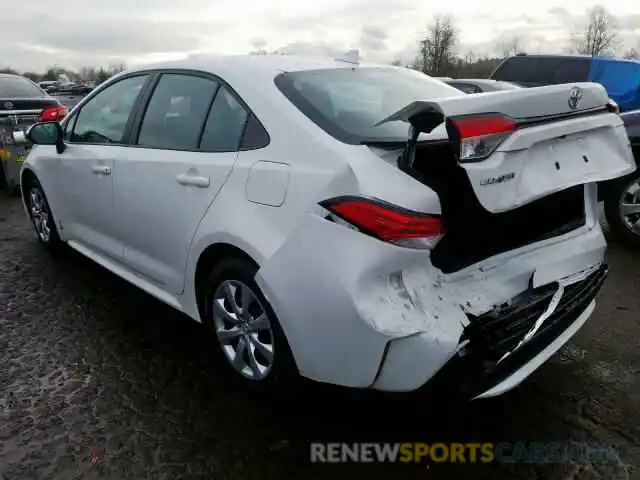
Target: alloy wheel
pixel 630 206
pixel 39 214
pixel 243 329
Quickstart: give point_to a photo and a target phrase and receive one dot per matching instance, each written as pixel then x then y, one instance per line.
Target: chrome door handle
pixel 195 180
pixel 101 169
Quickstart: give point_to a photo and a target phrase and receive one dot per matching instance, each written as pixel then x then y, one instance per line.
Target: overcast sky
pixel 41 33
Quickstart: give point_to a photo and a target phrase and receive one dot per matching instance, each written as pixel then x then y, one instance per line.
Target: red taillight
pixel 53 114
pixel 382 220
pixel 480 135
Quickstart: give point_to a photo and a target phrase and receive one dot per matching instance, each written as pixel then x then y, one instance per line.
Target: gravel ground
pixel 98 380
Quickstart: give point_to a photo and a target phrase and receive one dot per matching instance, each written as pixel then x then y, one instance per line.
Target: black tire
pixel 282 370
pixel 50 242
pixel 615 193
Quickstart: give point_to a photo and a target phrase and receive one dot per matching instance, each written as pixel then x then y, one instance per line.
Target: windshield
pixel 19 87
pixel 347 102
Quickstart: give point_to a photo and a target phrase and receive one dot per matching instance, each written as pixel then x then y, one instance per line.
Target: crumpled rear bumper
pixel 492 357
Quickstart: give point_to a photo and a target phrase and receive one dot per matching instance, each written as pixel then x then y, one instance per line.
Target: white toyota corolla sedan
pixel 361 225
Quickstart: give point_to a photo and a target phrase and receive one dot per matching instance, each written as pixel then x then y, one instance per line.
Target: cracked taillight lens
pixel 386 221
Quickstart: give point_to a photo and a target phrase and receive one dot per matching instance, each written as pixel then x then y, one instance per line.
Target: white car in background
pixel 424 238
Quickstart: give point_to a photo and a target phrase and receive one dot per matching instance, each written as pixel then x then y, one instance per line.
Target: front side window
pixel 177 112
pixel 104 118
pixel 348 102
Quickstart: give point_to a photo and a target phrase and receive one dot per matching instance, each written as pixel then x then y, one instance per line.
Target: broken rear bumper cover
pixel 502 347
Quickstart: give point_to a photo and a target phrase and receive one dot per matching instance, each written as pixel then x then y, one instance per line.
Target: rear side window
pixel 176 112
pixel 225 124
pixel 14 86
pixel 466 87
pixel 538 71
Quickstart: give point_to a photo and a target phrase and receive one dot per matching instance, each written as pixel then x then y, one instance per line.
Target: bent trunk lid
pixel 564 137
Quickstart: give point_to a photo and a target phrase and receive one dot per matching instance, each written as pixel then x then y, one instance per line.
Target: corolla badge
pixel 8 105
pixel 505 177
pixel 575 97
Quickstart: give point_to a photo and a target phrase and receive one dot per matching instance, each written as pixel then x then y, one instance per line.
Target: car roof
pixel 11 75
pixel 249 74
pixel 270 65
pixel 573 55
pixel 479 81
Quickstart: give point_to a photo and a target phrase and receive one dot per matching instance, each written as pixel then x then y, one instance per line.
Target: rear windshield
pixel 347 102
pixel 19 87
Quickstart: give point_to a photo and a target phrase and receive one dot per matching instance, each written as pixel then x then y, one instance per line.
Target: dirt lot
pixel 98 380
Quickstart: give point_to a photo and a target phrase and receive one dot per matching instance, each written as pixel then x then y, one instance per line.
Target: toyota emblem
pixel 8 105
pixel 575 97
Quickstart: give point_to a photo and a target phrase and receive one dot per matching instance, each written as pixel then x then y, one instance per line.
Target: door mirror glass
pixel 45 133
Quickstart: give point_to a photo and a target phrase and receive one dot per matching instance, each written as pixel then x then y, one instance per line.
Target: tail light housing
pixel 53 114
pixel 385 221
pixel 480 135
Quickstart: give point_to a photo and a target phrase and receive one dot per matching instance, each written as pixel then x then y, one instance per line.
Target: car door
pixel 95 138
pixel 186 145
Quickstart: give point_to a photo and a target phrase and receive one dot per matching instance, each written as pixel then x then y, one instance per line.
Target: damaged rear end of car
pixel 516 173
pixel 472 293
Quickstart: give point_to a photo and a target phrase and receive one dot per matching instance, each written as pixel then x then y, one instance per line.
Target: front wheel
pixel 622 208
pixel 41 216
pixel 244 328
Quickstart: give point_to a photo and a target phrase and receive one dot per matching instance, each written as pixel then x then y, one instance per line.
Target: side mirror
pixel 47 133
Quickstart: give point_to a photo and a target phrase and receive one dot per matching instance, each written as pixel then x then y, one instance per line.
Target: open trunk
pixel 472 233
pixel 512 169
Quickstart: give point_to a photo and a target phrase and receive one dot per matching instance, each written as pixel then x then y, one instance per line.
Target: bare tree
pixel 600 35
pixel 510 46
pixel 436 49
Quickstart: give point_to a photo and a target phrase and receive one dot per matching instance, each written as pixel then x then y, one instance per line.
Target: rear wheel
pixel 622 208
pixel 244 328
pixel 41 216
